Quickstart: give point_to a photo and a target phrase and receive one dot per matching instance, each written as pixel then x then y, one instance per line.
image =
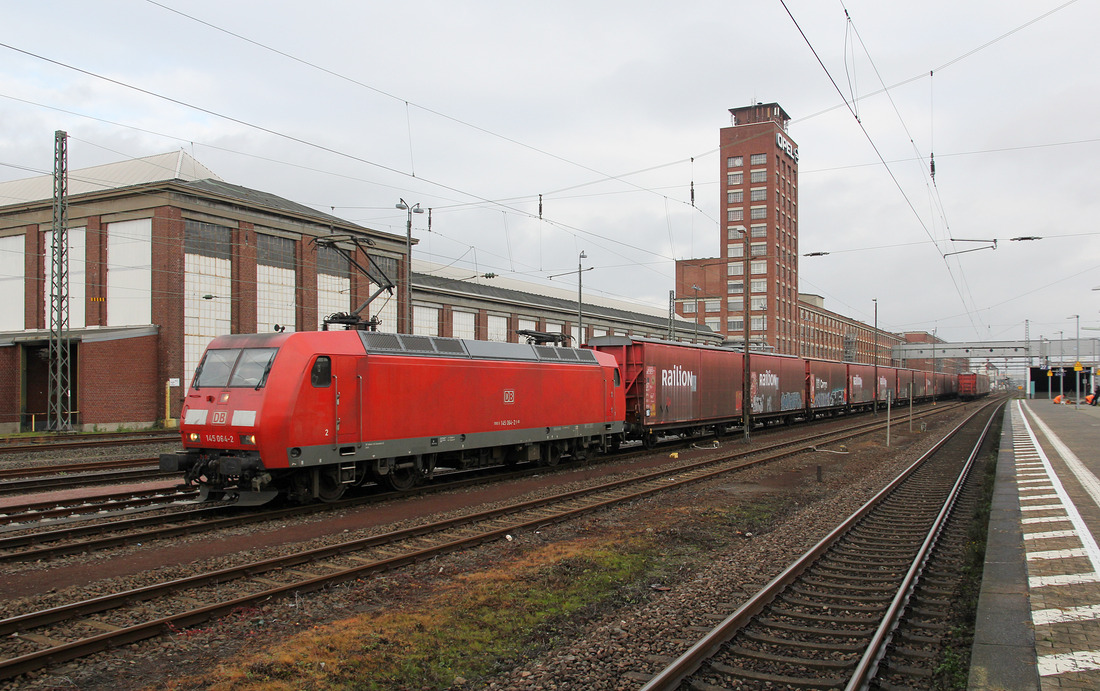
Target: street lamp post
pixel 414 209
pixel 1061 366
pixel 1076 362
pixel 580 324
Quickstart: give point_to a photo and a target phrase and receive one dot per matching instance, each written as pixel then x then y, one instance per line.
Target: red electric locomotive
pixel 308 414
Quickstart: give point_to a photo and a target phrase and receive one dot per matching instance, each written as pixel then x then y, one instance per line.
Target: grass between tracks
pixel 479 623
pixel 953 671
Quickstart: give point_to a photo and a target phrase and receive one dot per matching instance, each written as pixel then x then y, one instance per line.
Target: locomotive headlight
pixel 194 436
pixel 248 439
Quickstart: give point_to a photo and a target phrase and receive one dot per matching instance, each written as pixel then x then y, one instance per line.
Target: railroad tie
pixel 101 625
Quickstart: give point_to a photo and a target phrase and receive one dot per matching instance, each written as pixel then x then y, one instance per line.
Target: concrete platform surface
pixel 1039 613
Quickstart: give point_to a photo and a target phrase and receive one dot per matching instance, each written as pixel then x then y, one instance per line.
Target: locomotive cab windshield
pixel 235 367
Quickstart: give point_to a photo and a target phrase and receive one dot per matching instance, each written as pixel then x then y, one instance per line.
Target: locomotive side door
pixel 612 390
pixel 347 396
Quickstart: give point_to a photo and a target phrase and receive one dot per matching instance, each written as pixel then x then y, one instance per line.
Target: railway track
pixel 76 467
pixel 60 482
pixel 826 621
pixel 111 531
pixel 31 640
pixel 55 442
pixel 36 512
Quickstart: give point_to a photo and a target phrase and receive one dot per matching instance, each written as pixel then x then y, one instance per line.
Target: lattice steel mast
pixel 60 411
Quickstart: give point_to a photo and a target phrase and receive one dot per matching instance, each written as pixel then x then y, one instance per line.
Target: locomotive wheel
pixel 329 487
pixel 551 455
pixel 401 479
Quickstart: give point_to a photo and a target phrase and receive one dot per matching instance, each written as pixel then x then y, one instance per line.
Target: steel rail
pixel 67 481
pixel 90 466
pixel 530 514
pixel 150 530
pixel 672 676
pixel 17 447
pixel 877 647
pixel 75 508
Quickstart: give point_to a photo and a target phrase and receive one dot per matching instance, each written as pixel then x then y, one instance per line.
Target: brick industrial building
pixel 164 256
pixel 756 275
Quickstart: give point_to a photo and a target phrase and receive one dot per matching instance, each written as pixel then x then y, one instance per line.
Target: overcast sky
pixel 610 111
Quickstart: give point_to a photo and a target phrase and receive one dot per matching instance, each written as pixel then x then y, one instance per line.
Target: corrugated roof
pixel 176 165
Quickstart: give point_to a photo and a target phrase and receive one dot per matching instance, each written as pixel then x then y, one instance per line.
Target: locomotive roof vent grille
pixel 569 354
pixel 547 353
pixel 449 346
pixel 376 340
pixel 586 355
pixel 419 344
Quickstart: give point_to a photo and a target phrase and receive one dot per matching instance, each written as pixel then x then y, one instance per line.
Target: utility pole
pixel 60 403
pixel 671 315
pixel 874 408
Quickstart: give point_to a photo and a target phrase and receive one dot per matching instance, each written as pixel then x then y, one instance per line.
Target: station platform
pixel 1038 622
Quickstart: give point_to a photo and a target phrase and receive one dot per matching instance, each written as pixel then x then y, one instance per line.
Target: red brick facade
pixel 167 283
pixel 10 384
pixel 119 382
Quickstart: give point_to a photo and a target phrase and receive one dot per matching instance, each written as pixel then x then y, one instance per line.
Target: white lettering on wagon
pixel 769 379
pixel 678 377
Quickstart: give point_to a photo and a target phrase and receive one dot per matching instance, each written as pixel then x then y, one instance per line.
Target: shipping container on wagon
pixel 922 385
pixel 947 385
pixel 674 387
pixel 887 384
pixel 827 385
pixel 973 385
pixel 904 384
pixel 777 385
pixel 861 384
pixel 984 385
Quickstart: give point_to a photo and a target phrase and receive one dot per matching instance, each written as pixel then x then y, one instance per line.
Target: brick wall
pixel 9 389
pixel 307 285
pixel 95 278
pixel 167 284
pixel 244 279
pixel 119 382
pixel 34 295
